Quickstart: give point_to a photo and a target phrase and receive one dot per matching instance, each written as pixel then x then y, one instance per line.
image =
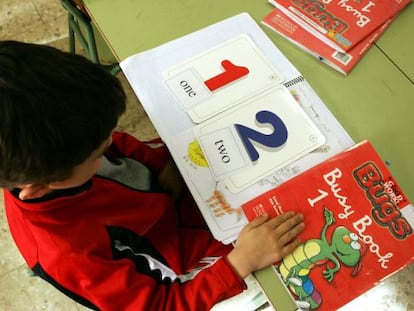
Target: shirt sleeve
pixel 152 154
pixel 116 285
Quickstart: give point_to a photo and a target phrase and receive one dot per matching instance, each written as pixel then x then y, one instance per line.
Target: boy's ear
pixel 32 191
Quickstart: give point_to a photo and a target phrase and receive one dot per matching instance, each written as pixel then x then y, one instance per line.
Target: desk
pixel 376 101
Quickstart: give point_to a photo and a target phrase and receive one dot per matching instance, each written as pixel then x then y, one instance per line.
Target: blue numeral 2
pixel 276 139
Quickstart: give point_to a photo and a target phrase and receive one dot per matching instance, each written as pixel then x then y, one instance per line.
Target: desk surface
pixel 376 101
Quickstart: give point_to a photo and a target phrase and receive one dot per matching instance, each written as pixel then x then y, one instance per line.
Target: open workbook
pixel 237 116
pixel 239 120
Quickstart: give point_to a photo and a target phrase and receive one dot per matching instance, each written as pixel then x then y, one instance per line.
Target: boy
pixel 97 213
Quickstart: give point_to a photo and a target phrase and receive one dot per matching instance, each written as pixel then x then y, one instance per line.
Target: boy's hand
pixel 265 241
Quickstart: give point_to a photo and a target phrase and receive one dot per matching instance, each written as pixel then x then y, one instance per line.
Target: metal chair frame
pixel 78 19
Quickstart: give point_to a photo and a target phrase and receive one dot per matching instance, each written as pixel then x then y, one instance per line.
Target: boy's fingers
pixel 288 226
pixel 277 221
pixel 286 221
pixel 291 234
pixel 289 248
pixel 258 221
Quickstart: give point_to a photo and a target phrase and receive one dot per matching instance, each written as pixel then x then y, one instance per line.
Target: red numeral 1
pixel 231 73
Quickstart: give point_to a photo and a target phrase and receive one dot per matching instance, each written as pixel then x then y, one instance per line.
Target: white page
pixel 219 206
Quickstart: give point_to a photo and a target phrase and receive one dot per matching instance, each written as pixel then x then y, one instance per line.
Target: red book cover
pixel 342 62
pixel 343 23
pixel 359 227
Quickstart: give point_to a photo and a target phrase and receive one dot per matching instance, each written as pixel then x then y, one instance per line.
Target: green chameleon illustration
pixel 296 267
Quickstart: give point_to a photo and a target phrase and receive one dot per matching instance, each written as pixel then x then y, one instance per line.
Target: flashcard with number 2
pixel 253 140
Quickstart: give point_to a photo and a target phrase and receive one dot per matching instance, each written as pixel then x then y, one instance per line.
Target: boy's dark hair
pixel 55 109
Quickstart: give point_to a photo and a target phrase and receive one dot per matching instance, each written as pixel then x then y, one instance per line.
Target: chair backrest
pixel 80 24
pixel 76 8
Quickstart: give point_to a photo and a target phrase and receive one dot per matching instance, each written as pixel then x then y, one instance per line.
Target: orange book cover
pixel 359 227
pixel 343 23
pixel 342 62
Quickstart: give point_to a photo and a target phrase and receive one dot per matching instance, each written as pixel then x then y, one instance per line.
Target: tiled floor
pixel 45 22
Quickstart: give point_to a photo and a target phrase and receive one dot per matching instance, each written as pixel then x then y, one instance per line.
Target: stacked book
pixel 337 32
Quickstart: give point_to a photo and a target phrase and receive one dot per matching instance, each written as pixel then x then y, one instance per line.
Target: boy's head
pixel 56 110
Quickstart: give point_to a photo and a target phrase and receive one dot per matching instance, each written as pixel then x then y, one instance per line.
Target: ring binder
pixel 294 81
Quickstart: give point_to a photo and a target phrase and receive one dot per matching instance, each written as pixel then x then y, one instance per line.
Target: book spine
pixel 274 289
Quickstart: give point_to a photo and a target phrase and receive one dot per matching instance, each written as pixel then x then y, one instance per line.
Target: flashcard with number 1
pixel 221 78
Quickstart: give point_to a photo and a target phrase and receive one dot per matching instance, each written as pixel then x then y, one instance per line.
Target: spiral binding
pixel 294 81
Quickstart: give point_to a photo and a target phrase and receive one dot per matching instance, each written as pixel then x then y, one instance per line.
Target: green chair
pixel 79 24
